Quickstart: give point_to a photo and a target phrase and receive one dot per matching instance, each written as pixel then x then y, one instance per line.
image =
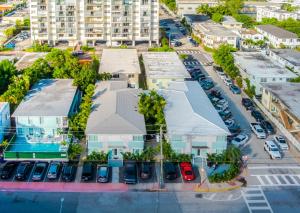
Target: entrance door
pixel 199 152
pixel 116 153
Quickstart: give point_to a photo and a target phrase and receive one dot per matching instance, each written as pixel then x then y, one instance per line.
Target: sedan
pixel 7 170
pixel 23 170
pixel 146 170
pixel 130 172
pixel 257 115
pixel 247 103
pixel 68 173
pixel 228 82
pixel 240 140
pixel 39 171
pixel 170 171
pixel 53 171
pixel 281 142
pixel 187 172
pixel 267 126
pixel 234 89
pixel 103 174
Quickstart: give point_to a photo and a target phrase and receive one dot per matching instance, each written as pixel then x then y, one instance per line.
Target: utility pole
pixel 161 183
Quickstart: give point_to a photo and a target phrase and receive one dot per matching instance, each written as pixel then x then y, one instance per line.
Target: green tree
pixel 217 17
pixel 247 21
pixel 289 7
pixel 38 70
pixel 239 81
pixel 9 32
pixel 234 5
pixel 75 149
pixel 100 157
pixel 19 25
pixel 26 22
pixel 7 71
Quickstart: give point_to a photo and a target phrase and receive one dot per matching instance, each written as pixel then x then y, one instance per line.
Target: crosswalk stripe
pixel 294 179
pixel 269 180
pixel 278 179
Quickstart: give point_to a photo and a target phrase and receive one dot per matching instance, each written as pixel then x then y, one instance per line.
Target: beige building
pixel 122 64
pixel 185 7
pixel 213 34
pixel 94 21
pixel 162 68
pixel 282 100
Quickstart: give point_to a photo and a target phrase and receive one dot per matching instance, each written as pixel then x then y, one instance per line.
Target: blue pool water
pixel 21 145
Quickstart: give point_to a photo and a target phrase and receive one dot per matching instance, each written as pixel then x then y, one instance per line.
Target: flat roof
pixel 119 61
pixel 291 55
pixel 211 28
pixel 288 93
pixel 28 59
pixel 190 112
pixel 115 110
pixel 164 65
pixel 230 20
pixel 260 65
pixel 196 1
pixel 48 97
pixel 277 31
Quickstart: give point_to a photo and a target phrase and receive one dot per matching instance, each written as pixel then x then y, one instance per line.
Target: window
pixel 131 76
pixel 93 138
pixel 20 131
pixel 58 121
pixel 263 80
pixel 273 79
pixel 145 13
pixel 137 138
pixel 29 120
pixel 41 120
pixel 115 75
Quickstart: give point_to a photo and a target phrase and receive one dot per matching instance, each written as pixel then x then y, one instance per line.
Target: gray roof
pixel 119 61
pixel 288 93
pixel 277 31
pixel 48 97
pixel 115 110
pixel 259 65
pixel 214 29
pixel 190 112
pixel 290 55
pixel 28 59
pixel 164 65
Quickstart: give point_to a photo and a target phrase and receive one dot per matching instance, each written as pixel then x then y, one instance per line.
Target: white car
pixel 222 76
pixel 281 142
pixel 223 102
pixel 240 140
pixel 229 122
pixel 272 150
pixel 228 82
pixel 258 130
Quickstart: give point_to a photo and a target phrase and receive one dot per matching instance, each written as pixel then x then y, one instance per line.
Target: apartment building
pixel 275 12
pixel 94 21
pixel 190 6
pixel 213 34
pixel 279 37
pixel 287 57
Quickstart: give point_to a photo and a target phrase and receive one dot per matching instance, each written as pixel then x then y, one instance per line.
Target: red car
pixel 187 172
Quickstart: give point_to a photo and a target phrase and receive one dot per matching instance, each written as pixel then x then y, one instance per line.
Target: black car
pixel 267 126
pixel 39 171
pixel 257 115
pixel 68 173
pixel 130 172
pixel 216 68
pixel 170 171
pixel 234 129
pixel 146 170
pixel 247 103
pixel 23 170
pixel 7 170
pixel 87 171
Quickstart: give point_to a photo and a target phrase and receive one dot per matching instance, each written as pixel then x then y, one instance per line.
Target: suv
pixel 53 171
pixel 130 172
pixel 170 171
pixel 272 150
pixel 7 170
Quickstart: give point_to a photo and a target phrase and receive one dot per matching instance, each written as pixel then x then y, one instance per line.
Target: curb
pixel 199 189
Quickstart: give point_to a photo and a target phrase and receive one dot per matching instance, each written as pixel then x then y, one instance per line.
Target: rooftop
pixel 277 31
pixel 258 64
pixel 196 1
pixel 119 61
pixel 190 112
pixel 28 59
pixel 48 97
pixel 193 18
pixel 214 29
pixel 115 110
pixel 230 20
pixel 288 93
pixel 290 55
pixel 2 104
pixel 164 65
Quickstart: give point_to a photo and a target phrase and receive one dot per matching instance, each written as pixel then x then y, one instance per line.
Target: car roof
pixel 271 144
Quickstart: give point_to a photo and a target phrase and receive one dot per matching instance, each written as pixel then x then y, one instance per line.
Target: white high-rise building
pixel 92 21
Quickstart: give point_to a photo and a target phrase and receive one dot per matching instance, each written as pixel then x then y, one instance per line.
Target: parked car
pixel 216 93
pixel 281 142
pixel 258 130
pixel 223 102
pixel 234 129
pixel 130 172
pixel 217 68
pixel 267 126
pixel 234 89
pixel 103 174
pixel 23 170
pixel 228 82
pixel 7 170
pixel 240 140
pixel 247 103
pixel 257 115
pixel 206 84
pixel 146 170
pixel 53 171
pixel 272 150
pixel 225 114
pixel 68 173
pixel 170 171
pixel 187 172
pixel 39 171
pixel 87 171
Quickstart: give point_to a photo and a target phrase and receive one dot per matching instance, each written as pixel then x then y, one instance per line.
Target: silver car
pixel 103 174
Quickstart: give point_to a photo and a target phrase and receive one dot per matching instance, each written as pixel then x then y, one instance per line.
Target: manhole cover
pixel 198 195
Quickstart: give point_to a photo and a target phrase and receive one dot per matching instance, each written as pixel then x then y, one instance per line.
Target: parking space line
pixel 31 173
pixel 179 171
pixel 47 171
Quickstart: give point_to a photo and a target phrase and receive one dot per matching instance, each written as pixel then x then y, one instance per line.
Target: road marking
pixel 273 167
pixel 31 173
pixel 255 204
pixel 278 180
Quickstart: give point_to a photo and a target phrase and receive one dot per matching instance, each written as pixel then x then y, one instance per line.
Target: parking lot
pixel 254 147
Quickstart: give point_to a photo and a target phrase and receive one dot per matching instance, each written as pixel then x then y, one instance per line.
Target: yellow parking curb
pixel 199 189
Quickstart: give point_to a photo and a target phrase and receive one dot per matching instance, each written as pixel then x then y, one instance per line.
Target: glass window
pixel 137 138
pixel 93 138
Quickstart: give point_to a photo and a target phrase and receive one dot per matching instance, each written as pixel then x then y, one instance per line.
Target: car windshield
pixel 188 172
pixel 259 130
pixel 281 140
pixel 53 168
pixel 38 170
pixel 274 149
pixel 238 139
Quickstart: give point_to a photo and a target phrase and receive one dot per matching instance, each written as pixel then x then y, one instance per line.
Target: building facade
pixel 185 7
pixel 279 37
pixel 275 12
pixel 94 21
pixel 4 119
pixel 287 57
